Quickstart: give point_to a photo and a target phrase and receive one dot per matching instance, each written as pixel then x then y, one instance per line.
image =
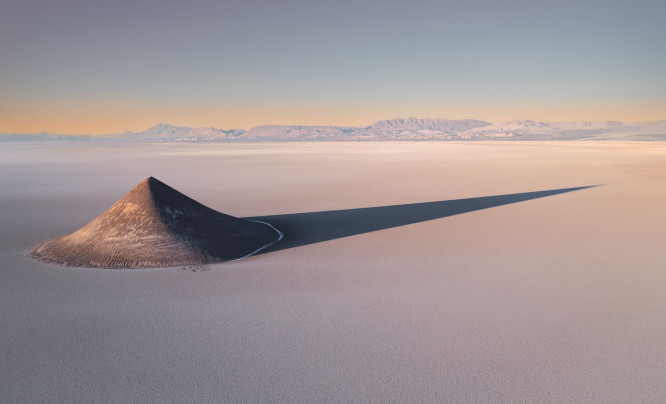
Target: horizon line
pixel 332 125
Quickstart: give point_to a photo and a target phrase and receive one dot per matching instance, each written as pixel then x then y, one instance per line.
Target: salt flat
pixel 553 299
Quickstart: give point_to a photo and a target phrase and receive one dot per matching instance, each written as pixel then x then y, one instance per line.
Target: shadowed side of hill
pixel 154 225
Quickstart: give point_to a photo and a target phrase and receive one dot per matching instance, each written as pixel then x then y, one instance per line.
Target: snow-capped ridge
pixel 411 128
pixel 163 131
pixel 438 124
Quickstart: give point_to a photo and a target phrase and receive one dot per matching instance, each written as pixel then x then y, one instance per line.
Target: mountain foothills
pixel 393 129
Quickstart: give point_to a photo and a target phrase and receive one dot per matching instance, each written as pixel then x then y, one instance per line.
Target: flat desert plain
pixel 556 296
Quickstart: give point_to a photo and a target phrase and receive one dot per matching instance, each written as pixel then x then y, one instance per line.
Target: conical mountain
pixel 156 226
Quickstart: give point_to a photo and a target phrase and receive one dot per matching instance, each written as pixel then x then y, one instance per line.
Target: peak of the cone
pixel 150 181
pixel 145 184
pixel 156 193
pixel 148 186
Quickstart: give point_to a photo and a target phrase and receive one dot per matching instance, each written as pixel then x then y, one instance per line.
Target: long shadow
pixel 315 227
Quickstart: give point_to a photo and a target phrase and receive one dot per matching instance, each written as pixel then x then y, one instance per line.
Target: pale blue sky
pixel 362 59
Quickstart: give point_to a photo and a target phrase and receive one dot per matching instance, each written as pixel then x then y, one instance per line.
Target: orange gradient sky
pixel 88 67
pixel 101 118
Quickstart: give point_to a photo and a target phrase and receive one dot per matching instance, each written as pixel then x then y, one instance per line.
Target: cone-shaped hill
pixel 156 226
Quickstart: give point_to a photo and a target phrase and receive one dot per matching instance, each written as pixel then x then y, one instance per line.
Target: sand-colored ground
pixel 560 298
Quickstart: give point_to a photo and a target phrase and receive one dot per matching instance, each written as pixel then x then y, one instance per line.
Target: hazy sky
pixel 99 67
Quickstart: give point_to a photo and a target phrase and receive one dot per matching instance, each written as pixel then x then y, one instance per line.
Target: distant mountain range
pixel 393 129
